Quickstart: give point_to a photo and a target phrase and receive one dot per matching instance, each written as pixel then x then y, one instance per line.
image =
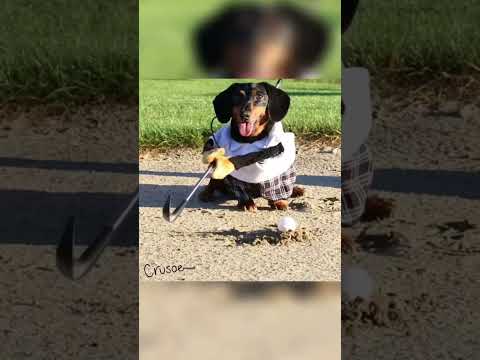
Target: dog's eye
pixel 237 99
pixel 259 97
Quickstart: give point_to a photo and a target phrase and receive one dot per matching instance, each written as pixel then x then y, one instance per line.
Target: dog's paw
pixel 210 155
pixel 297 191
pixel 279 204
pixel 223 167
pixel 206 196
pixel 377 208
pixel 248 205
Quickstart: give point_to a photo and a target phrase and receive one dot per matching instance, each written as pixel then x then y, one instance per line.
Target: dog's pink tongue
pixel 246 129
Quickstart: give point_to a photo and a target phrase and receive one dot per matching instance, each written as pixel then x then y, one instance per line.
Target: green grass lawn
pixel 179 112
pixel 437 35
pixel 66 49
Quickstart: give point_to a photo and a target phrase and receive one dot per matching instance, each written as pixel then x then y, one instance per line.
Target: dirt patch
pixel 390 311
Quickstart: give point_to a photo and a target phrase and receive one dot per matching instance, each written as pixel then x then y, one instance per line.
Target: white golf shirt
pixel 267 169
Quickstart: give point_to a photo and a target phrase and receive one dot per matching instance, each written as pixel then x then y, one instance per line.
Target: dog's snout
pixel 246 111
pixel 245 118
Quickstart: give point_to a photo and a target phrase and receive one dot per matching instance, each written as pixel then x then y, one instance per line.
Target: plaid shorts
pixel 278 188
pixel 357 176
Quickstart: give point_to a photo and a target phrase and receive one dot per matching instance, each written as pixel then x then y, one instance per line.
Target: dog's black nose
pixel 245 116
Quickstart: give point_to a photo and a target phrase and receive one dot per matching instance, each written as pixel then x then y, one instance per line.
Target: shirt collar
pixel 276 130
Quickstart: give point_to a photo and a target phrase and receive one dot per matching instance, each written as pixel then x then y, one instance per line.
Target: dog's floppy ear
pixel 223 104
pixel 311 35
pixel 349 7
pixel 278 102
pixel 209 41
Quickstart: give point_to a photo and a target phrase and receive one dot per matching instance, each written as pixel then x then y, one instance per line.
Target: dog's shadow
pixel 152 195
pixel 254 237
pixel 155 196
pixel 309 180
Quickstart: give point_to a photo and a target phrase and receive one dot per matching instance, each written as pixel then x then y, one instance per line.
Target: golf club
pixel 75 268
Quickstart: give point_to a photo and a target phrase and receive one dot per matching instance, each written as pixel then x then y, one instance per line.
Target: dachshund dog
pixel 253 156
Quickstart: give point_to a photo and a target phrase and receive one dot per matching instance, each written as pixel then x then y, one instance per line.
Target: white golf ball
pixel 286 223
pixel 357 282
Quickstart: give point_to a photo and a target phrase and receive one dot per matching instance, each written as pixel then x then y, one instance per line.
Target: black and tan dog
pixel 254 157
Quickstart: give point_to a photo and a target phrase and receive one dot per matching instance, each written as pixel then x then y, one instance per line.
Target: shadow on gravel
pixel 309 180
pixel 154 196
pixel 431 182
pixel 39 218
pixel 246 237
pixel 170 173
pixel 323 181
pixel 117 167
pixel 268 235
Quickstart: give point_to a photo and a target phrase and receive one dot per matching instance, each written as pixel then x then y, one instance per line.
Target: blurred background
pixel 237 320
pixel 240 39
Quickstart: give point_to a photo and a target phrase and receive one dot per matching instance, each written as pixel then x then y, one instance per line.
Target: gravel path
pixel 223 243
pixel 43 180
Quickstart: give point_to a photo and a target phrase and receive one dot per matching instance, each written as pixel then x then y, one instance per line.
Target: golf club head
pixel 167 215
pixel 65 254
pixel 75 269
pixel 167 207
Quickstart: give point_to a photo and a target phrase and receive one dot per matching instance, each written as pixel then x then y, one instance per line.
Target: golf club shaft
pixel 197 185
pixel 125 212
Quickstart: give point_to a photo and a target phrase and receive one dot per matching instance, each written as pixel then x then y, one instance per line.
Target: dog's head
pixel 252 107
